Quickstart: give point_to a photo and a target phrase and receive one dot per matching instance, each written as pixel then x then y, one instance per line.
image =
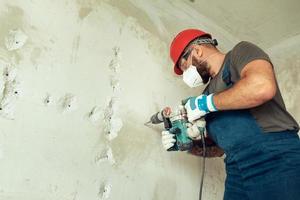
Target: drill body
pixel 177 125
pixel 183 142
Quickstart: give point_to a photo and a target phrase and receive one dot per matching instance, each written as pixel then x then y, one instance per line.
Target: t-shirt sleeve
pixel 242 54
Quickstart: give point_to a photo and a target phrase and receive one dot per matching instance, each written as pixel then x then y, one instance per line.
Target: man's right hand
pixel 167 139
pixel 197 107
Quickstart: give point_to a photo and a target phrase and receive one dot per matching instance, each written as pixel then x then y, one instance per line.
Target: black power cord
pixel 203 164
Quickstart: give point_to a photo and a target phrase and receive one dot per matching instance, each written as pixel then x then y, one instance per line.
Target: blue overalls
pixel 259 166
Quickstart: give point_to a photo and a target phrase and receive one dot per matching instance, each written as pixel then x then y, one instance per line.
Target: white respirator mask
pixel 191 77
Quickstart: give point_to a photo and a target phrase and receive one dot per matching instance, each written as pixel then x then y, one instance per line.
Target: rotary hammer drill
pixel 176 123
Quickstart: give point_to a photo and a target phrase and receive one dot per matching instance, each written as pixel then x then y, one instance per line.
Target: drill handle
pixel 167 123
pixel 184 101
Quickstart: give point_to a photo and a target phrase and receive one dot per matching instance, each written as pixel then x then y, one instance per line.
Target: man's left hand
pixel 197 107
pixel 196 130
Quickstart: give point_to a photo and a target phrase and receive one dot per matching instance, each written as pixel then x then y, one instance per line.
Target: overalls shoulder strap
pixel 226 74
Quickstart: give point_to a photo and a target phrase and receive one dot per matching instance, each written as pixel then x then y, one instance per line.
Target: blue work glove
pixel 197 107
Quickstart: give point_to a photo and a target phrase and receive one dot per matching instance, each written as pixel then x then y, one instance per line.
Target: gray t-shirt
pixel 271 116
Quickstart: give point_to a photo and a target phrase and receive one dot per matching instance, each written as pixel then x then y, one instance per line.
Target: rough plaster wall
pixel 89 75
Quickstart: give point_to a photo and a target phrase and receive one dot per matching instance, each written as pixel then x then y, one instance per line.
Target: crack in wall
pixel 112 122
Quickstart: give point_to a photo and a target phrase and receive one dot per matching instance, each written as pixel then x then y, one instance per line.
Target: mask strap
pixel 208 57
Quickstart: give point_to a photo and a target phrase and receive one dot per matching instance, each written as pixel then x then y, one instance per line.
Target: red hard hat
pixel 180 42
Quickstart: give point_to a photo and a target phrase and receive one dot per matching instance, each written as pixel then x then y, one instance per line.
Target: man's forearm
pixel 246 93
pixel 212 150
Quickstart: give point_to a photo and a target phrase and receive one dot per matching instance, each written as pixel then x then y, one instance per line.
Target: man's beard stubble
pixel 203 69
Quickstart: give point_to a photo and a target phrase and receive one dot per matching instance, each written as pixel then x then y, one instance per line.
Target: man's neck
pixel 215 63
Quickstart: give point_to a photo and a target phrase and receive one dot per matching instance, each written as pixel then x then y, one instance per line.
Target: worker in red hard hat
pixel 245 115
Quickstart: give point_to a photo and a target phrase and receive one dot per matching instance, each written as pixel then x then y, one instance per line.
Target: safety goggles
pixel 187 52
pixel 184 57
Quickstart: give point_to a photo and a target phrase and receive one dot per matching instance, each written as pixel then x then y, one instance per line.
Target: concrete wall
pixel 87 69
pixel 79 79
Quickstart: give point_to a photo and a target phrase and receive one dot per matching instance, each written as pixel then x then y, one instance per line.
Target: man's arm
pixel 211 148
pixel 256 86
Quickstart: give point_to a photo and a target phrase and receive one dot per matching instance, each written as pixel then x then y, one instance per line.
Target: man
pixel 245 116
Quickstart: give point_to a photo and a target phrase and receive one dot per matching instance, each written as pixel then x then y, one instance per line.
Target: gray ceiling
pixel 265 22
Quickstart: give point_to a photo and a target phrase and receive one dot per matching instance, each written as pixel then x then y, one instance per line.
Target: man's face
pixel 190 57
pixel 202 67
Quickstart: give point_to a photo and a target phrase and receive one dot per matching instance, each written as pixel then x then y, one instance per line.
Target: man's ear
pixel 198 50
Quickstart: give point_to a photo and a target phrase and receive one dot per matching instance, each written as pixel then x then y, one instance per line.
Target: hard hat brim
pixel 177 70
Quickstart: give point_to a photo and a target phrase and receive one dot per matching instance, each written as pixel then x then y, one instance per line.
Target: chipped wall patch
pixel 10 91
pixel 48 100
pixel 105 191
pixel 115 83
pixel 69 103
pixel 105 156
pixel 7 108
pixel 112 123
pixel 15 39
pixel 113 128
pixel 95 114
pixel 115 69
pixel 9 73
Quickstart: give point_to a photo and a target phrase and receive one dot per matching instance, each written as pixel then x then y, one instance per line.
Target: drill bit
pixel 148 123
pixel 160 116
